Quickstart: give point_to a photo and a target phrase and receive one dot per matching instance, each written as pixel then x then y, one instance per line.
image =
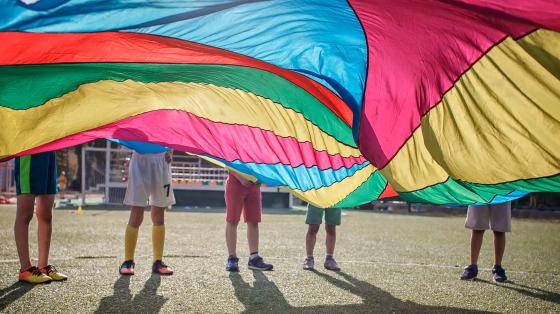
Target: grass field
pixel 390 263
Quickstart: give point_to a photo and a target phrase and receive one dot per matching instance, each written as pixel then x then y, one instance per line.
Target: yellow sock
pixel 130 239
pixel 158 239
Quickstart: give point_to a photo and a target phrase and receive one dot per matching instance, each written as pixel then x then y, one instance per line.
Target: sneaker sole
pixel 36 283
pixel 162 274
pixel 331 269
pixel 261 269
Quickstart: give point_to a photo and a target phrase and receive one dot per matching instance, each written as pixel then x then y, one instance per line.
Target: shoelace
pixel 50 269
pixel 36 272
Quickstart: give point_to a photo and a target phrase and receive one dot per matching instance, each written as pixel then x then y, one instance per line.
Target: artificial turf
pixel 390 263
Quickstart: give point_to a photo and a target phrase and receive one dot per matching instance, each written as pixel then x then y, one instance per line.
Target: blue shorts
pixel 36 174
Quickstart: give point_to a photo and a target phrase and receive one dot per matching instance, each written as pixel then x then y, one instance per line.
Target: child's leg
pixel 231 237
pixel 253 236
pixel 333 217
pixel 331 238
pixel 500 222
pixel 476 243
pixel 131 233
pixel 252 215
pixel 311 238
pixel 234 207
pixel 44 220
pixel 499 247
pixel 158 232
pixel 24 214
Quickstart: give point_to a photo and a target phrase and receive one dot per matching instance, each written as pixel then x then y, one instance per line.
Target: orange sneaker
pixel 55 275
pixel 33 275
pixel 160 268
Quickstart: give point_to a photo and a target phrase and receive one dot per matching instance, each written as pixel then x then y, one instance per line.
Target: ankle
pixel 21 270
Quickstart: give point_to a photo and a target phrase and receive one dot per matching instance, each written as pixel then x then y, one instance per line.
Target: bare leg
pixel 476 243
pixel 253 236
pixel 499 247
pixel 24 214
pixel 44 220
pixel 158 216
pixel 231 237
pixel 136 216
pixel 311 238
pixel 331 238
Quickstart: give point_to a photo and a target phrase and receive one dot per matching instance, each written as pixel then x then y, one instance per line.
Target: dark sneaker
pixel 499 274
pixel 232 264
pixel 470 272
pixel 309 263
pixel 127 268
pixel 258 263
pixel 331 264
pixel 159 267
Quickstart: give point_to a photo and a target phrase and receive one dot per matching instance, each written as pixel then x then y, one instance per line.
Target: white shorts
pixel 496 217
pixel 149 181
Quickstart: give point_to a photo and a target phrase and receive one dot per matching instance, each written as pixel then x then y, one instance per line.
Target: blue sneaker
pixel 470 272
pixel 499 274
pixel 258 263
pixel 232 264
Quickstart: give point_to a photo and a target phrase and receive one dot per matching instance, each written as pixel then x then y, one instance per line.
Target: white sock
pixel 253 255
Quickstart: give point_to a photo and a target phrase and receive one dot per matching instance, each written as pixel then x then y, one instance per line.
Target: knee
pixel 158 216
pixel 331 230
pixel 136 217
pixel 232 224
pixel 45 216
pixel 24 217
pixel 313 229
pixel 499 234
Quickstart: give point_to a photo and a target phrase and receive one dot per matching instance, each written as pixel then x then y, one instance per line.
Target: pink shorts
pixel 240 198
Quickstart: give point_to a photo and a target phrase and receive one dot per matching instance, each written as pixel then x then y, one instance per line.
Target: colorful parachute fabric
pixel 456 102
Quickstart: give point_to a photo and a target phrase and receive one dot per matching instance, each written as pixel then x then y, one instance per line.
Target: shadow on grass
pixel 526 290
pixel 122 301
pixel 13 292
pixel 264 295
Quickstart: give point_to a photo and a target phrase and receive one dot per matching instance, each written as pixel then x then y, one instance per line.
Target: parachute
pixel 340 102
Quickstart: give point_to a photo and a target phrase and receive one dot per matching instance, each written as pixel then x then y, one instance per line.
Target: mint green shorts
pixel 315 215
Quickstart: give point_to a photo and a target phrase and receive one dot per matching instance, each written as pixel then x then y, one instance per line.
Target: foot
pixel 309 263
pixel 331 264
pixel 257 263
pixel 55 275
pixel 33 275
pixel 127 268
pixel 499 274
pixel 232 263
pixel 470 272
pixel 159 267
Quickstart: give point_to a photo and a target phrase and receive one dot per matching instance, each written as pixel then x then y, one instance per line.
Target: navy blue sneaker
pixel 258 263
pixel 499 274
pixel 232 264
pixel 470 272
